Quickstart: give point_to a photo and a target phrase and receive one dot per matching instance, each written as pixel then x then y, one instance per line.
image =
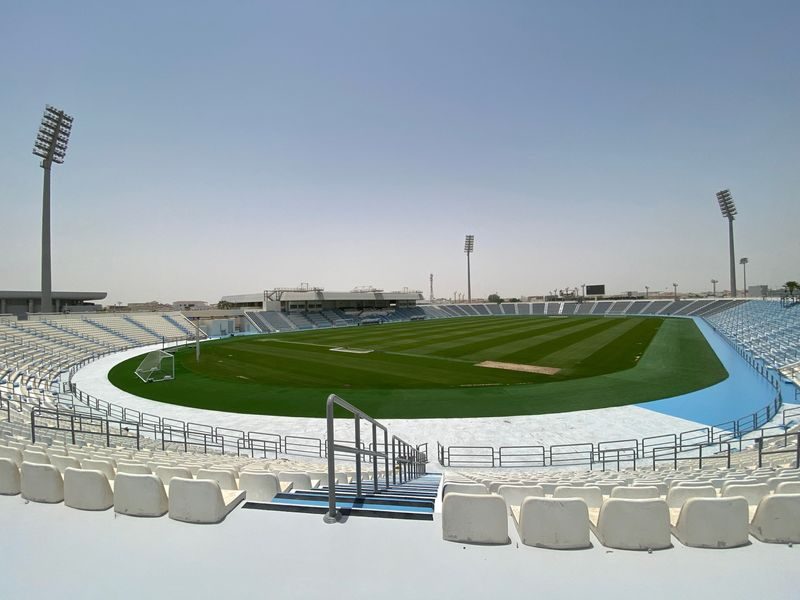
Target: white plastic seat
pixel 102 465
pixel 140 495
pixel 774 482
pixel 788 487
pixel 591 495
pixel 659 485
pixel 676 496
pixel 713 523
pixel 63 462
pixel 260 486
pixel 464 488
pixel 9 477
pixel 514 495
pixel 777 519
pixel 34 456
pixel 133 468
pixel 201 500
pixel 224 477
pixel 299 481
pixel 87 489
pixel 41 483
pixel 167 473
pixel 474 518
pixel 13 454
pixel 635 493
pixel 633 524
pixel 558 523
pixel 608 486
pixel 752 492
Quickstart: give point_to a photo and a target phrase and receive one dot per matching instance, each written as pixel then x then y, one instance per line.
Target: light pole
pixel 743 261
pixel 675 290
pixel 51 147
pixel 583 290
pixel 728 209
pixel 647 291
pixel 714 283
pixel 469 246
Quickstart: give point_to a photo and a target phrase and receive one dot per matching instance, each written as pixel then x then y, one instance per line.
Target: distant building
pixel 190 304
pixel 315 300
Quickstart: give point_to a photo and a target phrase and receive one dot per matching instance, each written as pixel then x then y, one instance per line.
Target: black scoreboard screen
pixel 595 290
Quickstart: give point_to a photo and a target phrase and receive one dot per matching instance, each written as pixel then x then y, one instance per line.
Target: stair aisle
pixel 414 500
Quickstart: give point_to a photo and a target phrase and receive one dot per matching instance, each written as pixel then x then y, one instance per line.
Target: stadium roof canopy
pixel 21 302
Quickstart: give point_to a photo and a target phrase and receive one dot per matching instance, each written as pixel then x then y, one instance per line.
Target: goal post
pixel 156 366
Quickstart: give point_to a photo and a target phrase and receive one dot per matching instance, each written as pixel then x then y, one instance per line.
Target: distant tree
pixel 513 299
pixel 224 305
pixel 495 298
pixel 792 287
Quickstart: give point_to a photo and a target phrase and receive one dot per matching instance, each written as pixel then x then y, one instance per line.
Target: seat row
pixel 621 523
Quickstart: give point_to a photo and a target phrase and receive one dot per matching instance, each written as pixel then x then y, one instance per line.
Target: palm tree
pixel 791 286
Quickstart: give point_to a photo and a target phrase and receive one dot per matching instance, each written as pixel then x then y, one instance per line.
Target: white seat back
pixel 676 496
pixel 87 489
pixel 12 454
pixel 167 473
pixel 634 524
pixel 713 523
pixel 752 492
pixel 260 486
pixel 139 495
pixel 474 518
pixel 41 483
pixel 197 501
pixel 635 493
pixel 560 523
pixel 777 519
pixel 515 495
pixel 299 481
pixel 225 478
pixel 591 495
pixel 102 465
pixel 9 477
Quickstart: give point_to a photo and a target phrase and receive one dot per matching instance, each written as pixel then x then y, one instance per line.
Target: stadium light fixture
pixel 675 290
pixel 469 246
pixel 647 291
pixel 728 209
pixel 714 283
pixel 51 146
pixel 743 261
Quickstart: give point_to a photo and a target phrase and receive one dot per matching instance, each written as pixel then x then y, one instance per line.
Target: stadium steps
pixel 118 334
pixel 182 326
pixel 413 500
pixel 142 326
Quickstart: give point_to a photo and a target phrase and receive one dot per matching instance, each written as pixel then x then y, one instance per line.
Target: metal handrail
pixel 333 515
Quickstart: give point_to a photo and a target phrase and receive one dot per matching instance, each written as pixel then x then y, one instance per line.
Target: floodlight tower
pixel 714 283
pixel 51 147
pixel 469 246
pixel 431 288
pixel 743 262
pixel 728 209
pixel 675 290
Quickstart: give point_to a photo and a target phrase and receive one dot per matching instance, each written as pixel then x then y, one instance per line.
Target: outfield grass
pixel 427 369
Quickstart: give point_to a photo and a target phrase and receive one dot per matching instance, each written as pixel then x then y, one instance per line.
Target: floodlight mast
pixel 51 146
pixel 469 246
pixel 743 262
pixel 728 209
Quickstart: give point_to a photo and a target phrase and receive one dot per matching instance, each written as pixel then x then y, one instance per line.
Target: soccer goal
pixel 156 366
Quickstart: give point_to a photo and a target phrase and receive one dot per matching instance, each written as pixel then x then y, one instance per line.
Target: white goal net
pixel 156 366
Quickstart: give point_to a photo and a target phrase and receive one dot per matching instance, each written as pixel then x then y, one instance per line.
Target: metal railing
pixel 779 444
pixel 333 515
pixel 618 452
pixel 408 461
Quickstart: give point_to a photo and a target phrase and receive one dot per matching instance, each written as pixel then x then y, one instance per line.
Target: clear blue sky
pixel 223 148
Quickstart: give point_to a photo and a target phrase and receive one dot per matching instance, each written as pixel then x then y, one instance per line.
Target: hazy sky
pixel 223 148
